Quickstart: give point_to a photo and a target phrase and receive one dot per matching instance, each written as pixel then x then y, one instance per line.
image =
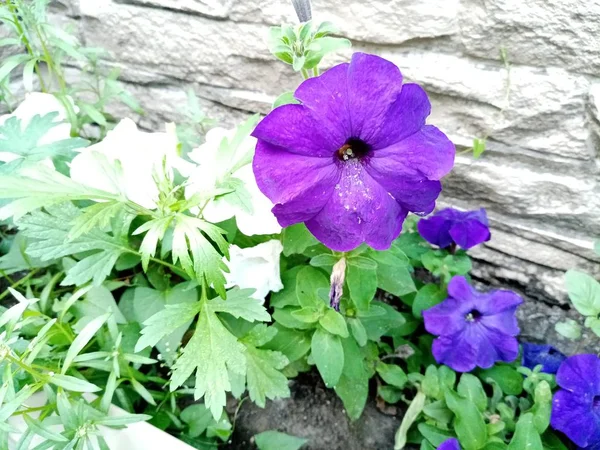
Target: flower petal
pixel 358 211
pixel 448 317
pixel 298 185
pixel 498 301
pixel 580 374
pixel 256 267
pixel 456 352
pixel 294 128
pixel 427 153
pixel 449 444
pixel 460 289
pixel 326 97
pixel 435 231
pixel 492 346
pixel 572 414
pixel 374 84
pixel 546 355
pixel 469 233
pixel 405 116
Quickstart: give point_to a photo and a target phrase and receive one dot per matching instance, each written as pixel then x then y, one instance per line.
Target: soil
pixel 317 414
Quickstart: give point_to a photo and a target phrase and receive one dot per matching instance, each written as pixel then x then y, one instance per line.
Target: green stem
pixel 305 74
pixel 19 282
pixel 25 42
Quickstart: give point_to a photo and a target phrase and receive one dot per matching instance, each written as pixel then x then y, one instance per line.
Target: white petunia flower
pixel 38 103
pixel 127 161
pixel 256 268
pixel 250 207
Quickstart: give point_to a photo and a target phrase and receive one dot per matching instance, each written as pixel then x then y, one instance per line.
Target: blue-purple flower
pixel 576 406
pixel 546 355
pixel 453 227
pixel 475 329
pixel 449 444
pixel 354 157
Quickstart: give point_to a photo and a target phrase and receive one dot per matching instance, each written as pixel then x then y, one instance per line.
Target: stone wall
pixel 539 109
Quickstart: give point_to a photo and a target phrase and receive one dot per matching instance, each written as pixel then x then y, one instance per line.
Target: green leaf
pixel 11 62
pixel 308 283
pixel 198 418
pixel 239 303
pixel 328 353
pixel 362 284
pixel 293 344
pixel 324 260
pixel 584 292
pixel 353 386
pixel 196 254
pixel 334 323
pixel 49 234
pixel 468 422
pixel 380 319
pixel 296 239
pixel 471 388
pixel 286 296
pixel 82 339
pixel 414 409
pixel 211 353
pixel 569 328
pixel 526 436
pixel 433 434
pixel 24 141
pixel 438 411
pixel 72 384
pixel 358 331
pixel 165 322
pixel 393 274
pixel 121 420
pixel 286 98
pixel 427 297
pixel 478 147
pixel 542 407
pixel 275 440
pixel 307 315
pixel 431 383
pixel 39 429
pixel 264 377
pixel 155 231
pixel 392 374
pixel 509 380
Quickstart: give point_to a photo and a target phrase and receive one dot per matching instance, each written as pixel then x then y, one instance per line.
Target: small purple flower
pixel 449 444
pixel 474 328
pixel 546 355
pixel 451 226
pixel 354 157
pixel 576 407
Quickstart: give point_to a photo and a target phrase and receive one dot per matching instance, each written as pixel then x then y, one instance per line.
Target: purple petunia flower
pixel 354 157
pixel 546 355
pixel 451 226
pixel 449 444
pixel 474 328
pixel 576 407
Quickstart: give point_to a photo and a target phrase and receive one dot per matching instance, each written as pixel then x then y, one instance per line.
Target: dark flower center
pixel 473 316
pixel 353 148
pixel 596 403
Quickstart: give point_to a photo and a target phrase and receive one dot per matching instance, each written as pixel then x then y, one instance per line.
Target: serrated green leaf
pixel 239 303
pixel 163 323
pixel 264 378
pixel 97 215
pixel 211 353
pixel 328 354
pixel 196 254
pixel 155 231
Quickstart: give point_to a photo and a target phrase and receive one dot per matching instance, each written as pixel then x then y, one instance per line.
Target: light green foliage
pixel 570 329
pixel 23 141
pixel 275 440
pixel 584 292
pixel 305 46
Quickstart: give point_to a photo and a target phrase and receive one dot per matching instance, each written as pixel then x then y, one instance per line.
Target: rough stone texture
pixel 540 113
